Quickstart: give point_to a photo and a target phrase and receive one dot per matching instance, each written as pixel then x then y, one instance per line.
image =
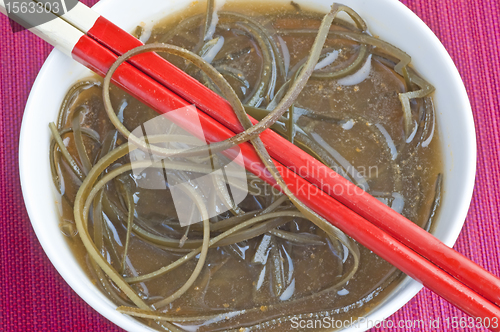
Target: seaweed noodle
pixel 90 188
pixel 110 168
pixel 401 68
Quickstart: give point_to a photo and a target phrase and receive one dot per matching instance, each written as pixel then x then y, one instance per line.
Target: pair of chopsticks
pixel 95 42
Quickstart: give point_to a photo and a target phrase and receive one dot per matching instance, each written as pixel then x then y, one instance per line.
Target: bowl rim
pixel 404 292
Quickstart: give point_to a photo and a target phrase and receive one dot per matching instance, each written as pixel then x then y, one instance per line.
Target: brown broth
pixel 361 118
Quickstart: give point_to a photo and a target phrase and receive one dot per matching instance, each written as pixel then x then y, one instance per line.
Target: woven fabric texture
pixel 35 298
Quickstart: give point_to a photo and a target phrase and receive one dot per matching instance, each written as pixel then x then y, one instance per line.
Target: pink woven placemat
pixel 35 298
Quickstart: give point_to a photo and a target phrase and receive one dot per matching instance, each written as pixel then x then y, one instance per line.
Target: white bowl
pixel 389 19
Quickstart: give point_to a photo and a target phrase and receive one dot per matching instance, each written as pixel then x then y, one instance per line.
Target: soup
pixel 268 266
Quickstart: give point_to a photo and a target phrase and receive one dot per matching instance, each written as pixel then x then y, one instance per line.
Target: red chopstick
pixel 479 288
pixel 381 243
pixel 293 157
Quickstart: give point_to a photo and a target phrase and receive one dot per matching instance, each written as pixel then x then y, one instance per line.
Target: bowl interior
pixel 388 19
